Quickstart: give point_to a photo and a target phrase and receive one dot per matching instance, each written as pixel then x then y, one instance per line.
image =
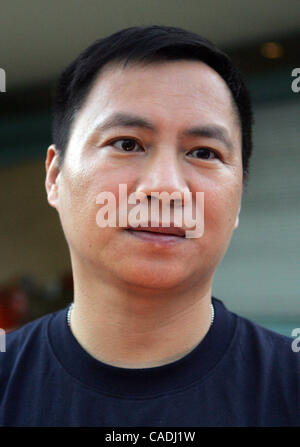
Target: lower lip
pixel 157 238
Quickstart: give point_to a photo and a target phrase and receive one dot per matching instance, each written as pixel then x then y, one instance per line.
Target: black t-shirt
pixel 240 374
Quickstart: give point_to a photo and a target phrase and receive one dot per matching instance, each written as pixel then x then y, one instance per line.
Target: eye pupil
pixel 128 144
pixel 204 153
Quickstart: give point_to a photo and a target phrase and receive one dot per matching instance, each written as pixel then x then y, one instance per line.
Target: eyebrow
pixel 121 119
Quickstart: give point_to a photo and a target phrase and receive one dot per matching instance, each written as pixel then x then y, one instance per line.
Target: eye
pixel 205 154
pixel 126 144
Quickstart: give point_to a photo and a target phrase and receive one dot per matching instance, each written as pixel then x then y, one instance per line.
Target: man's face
pixel 173 97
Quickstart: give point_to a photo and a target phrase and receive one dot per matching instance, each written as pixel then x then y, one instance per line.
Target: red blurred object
pixel 13 306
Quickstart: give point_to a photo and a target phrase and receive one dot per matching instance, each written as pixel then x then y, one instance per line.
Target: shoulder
pixel 266 368
pixel 28 332
pixel 24 343
pixel 261 334
pixel 268 348
pixel 252 342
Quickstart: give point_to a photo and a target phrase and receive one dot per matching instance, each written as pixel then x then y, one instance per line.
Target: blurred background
pixel 259 276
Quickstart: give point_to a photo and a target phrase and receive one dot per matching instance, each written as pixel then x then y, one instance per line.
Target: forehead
pixel 173 92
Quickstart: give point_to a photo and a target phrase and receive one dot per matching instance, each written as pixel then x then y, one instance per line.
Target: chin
pixel 155 277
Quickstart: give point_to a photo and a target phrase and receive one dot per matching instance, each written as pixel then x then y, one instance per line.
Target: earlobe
pixel 52 175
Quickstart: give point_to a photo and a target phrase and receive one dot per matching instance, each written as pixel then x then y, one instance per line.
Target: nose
pixel 163 173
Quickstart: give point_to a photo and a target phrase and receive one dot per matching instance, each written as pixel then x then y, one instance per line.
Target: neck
pixel 132 328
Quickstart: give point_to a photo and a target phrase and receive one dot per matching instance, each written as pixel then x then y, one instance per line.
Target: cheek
pixel 78 193
pixel 220 209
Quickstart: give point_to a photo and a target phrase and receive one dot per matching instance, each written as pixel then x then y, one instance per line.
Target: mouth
pixel 158 235
pixel 164 231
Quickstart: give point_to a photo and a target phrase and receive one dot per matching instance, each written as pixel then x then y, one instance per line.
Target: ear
pixel 52 175
pixel 237 220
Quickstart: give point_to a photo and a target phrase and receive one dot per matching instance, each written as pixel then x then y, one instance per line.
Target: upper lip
pixel 177 231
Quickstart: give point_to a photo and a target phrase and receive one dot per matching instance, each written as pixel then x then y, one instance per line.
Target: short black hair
pixel 145 45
